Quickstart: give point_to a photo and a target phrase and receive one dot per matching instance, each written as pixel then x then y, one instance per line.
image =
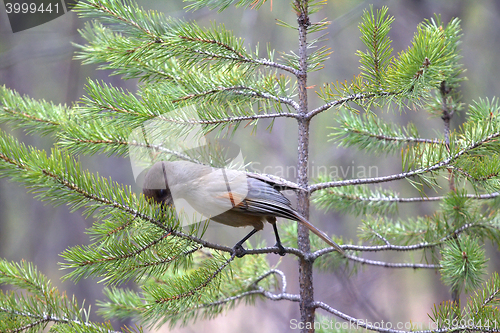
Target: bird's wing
pixel 263 199
pixel 220 190
pixel 276 182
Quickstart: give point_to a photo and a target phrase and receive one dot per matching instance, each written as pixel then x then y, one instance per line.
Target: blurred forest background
pixel 38 62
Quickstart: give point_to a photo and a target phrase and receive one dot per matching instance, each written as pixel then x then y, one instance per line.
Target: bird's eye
pixel 162 192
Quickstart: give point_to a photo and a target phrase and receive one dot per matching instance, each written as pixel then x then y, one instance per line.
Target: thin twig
pixel 395 138
pixel 243 59
pixel 273 271
pixel 226 300
pixel 30 117
pixel 356 324
pixel 351 98
pixel 438 198
pixel 381 237
pixel 258 291
pixel 493 296
pixel 30 325
pixel 226 120
pixel 408 174
pixel 269 63
pixel 275 249
pixel 205 283
pixel 280 296
pixel 246 91
pixel 165 260
pixel 372 248
pixel 420 199
pixel 389 264
pixel 48 318
pixel 400 248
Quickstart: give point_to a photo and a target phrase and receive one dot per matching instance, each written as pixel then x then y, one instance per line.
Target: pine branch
pixel 246 91
pixel 356 200
pixel 43 320
pixel 38 303
pixel 463 264
pixel 351 98
pixel 255 290
pixel 33 116
pixel 360 323
pixel 110 51
pixel 403 248
pixel 485 299
pixel 361 200
pixel 431 59
pixel 192 294
pixel 221 5
pixel 440 165
pixel 227 120
pixel 280 296
pixel 229 100
pixel 201 286
pixel 135 256
pixel 391 265
pixel 374 34
pixel 485 196
pixel 480 314
pixel 369 133
pixel 187 42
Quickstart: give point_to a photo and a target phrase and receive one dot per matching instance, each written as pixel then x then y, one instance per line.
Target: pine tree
pixel 179 64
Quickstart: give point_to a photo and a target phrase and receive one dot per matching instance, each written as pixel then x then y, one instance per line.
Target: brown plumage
pixel 225 196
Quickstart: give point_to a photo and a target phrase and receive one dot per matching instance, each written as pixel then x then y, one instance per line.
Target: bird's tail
pixel 320 234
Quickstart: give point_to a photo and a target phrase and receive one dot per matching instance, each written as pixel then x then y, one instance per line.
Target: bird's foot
pixel 239 251
pixel 281 250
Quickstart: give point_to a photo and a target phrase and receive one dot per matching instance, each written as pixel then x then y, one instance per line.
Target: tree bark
pixel 305 266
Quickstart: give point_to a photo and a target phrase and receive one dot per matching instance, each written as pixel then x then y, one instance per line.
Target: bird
pixel 230 197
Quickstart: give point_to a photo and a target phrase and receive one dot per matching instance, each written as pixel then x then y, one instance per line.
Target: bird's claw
pixel 281 250
pixel 239 250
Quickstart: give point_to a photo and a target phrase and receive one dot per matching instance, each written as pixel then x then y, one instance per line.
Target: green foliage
pixel 154 39
pixel 33 116
pixel 186 66
pixel 478 160
pixel 414 75
pixel 431 59
pixel 34 303
pixel 459 214
pixel 356 200
pixel 221 5
pixel 187 294
pixel 458 209
pixel 412 231
pixel 374 34
pixel 464 263
pixel 480 313
pixel 58 179
pixel 369 133
pixel 144 251
pixel 484 303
